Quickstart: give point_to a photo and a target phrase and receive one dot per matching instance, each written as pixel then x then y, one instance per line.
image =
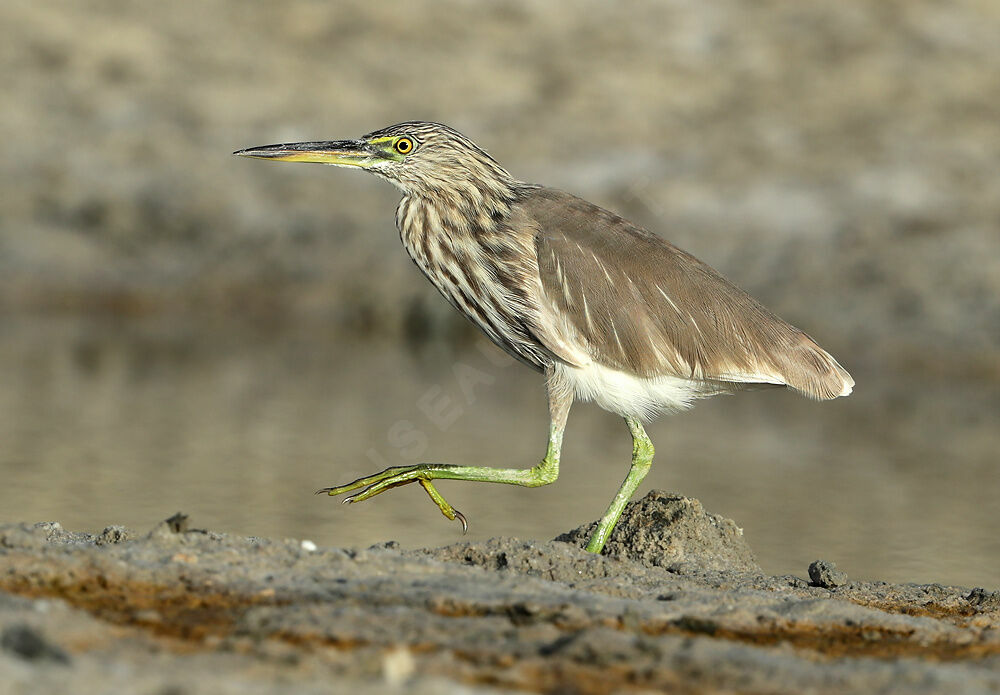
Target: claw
pixel 461 517
pixel 397 476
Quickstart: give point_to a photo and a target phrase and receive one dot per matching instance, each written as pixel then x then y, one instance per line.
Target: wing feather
pixel 614 294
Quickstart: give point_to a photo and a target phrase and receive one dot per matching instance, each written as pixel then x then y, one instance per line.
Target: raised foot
pixel 396 476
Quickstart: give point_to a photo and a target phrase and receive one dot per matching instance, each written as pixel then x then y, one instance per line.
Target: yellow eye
pixel 404 145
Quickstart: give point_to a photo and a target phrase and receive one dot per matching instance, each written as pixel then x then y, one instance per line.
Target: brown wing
pixel 624 298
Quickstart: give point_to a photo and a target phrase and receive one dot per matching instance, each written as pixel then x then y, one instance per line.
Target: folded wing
pixel 619 296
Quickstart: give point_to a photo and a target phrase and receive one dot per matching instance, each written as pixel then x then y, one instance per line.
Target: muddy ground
pixel 675 604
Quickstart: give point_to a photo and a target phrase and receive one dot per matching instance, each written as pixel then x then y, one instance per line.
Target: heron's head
pixel 419 157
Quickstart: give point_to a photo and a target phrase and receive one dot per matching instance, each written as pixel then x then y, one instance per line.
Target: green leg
pixel 545 472
pixel 642 459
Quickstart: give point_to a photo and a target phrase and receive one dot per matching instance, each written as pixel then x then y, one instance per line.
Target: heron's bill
pixel 346 153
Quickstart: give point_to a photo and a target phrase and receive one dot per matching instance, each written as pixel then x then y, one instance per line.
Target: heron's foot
pixel 396 476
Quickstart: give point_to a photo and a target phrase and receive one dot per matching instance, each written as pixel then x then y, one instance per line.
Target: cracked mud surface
pixel 188 610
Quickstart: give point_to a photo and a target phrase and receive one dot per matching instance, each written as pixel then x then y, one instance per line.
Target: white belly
pixel 625 394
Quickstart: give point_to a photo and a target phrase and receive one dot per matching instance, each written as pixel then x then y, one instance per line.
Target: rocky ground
pixel 676 603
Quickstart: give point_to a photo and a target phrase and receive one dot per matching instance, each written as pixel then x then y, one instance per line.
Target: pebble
pixel 825 574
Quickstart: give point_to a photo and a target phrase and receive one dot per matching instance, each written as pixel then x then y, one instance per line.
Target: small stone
pixel 825 574
pixel 170 530
pixel 178 523
pixel 308 546
pixel 26 642
pixel 112 535
pixel 51 528
pixel 385 545
pixel 983 600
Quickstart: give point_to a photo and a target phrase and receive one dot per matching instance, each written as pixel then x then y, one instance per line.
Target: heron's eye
pixel 404 145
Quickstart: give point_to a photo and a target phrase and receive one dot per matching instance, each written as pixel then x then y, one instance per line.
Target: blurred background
pixel 184 330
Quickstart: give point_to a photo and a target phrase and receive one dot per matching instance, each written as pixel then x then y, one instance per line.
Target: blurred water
pixel 114 422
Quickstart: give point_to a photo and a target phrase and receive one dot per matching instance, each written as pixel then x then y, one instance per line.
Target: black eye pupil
pixel 403 146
